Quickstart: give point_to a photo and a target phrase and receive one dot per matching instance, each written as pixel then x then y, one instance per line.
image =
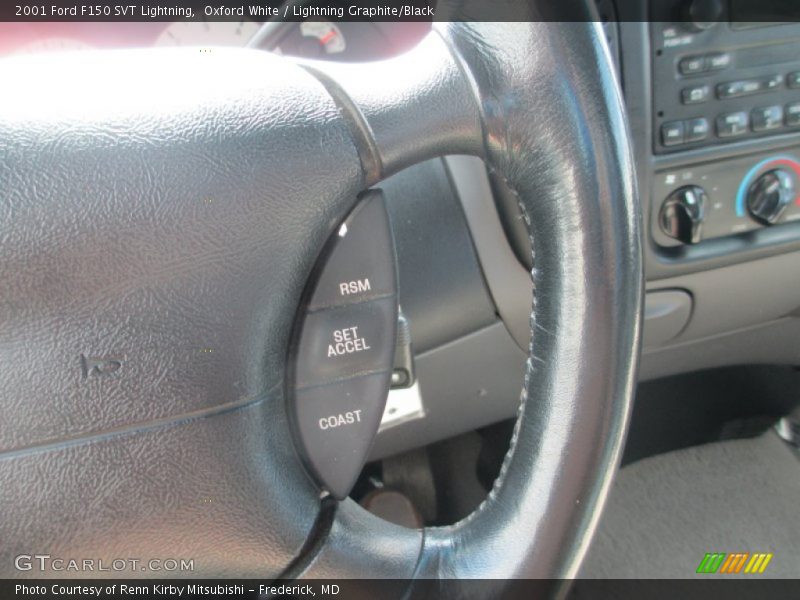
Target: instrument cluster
pixel 315 38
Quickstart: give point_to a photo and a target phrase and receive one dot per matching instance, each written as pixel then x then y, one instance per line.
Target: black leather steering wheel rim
pixel 158 227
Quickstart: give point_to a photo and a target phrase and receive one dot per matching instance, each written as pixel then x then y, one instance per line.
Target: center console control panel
pixel 720 76
pixel 718 80
pixel 704 201
pixel 343 348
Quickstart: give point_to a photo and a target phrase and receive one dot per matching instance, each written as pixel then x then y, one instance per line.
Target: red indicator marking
pixel 327 37
pixel 793 166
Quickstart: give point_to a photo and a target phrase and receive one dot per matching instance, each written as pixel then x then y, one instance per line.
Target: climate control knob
pixel 769 195
pixel 682 213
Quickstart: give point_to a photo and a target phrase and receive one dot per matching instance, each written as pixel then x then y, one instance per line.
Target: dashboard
pixel 712 104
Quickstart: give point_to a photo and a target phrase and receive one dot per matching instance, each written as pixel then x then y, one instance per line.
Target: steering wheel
pixel 161 214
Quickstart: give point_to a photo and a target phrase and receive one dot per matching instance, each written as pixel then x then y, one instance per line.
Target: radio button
pixel 732 124
pixel 736 89
pixel 693 65
pixel 697 129
pixel 766 118
pixel 696 94
pixel 361 263
pixel 672 133
pixel 336 423
pixel 347 341
pixel 717 62
pixel 772 83
pixel 793 114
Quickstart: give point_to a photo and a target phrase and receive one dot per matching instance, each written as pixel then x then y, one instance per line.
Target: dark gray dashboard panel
pixel 509 282
pixel 773 343
pixel 442 290
pixel 466 384
pixel 739 296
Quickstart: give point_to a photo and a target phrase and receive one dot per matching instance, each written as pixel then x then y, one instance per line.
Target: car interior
pixel 401 299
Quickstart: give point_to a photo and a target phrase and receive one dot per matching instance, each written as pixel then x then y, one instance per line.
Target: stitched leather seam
pixel 491 496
